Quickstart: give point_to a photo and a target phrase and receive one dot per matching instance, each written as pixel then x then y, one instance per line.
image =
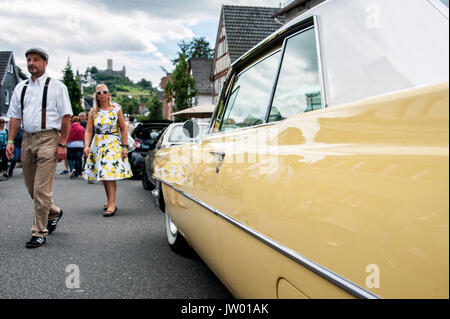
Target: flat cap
pixel 39 51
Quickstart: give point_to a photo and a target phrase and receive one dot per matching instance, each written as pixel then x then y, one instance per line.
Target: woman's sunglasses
pixel 101 92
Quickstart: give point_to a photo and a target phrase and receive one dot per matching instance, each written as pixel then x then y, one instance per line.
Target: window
pixel 445 3
pixel 247 104
pixel 219 87
pixel 298 85
pixel 11 68
pixel 222 50
pixel 6 97
pixel 177 135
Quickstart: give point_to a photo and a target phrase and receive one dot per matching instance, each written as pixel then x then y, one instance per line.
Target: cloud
pixel 135 33
pixel 174 9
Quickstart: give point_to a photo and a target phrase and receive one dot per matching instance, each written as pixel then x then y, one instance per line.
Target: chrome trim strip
pixel 215 134
pixel 323 272
pixel 440 7
pixel 320 60
pixel 275 82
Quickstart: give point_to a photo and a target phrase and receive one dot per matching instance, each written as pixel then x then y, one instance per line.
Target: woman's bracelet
pixel 11 142
pixel 125 146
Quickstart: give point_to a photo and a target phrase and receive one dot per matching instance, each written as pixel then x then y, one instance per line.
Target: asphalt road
pixel 90 256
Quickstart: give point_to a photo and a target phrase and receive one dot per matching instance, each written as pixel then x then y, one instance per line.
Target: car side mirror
pixel 191 129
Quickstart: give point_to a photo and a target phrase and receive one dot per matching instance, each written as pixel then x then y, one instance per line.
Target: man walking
pixel 83 118
pixel 42 106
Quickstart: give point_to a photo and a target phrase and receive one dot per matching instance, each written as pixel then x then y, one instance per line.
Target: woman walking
pixel 107 156
pixel 75 146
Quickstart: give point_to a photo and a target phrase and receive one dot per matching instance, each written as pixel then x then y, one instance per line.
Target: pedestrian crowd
pixel 43 131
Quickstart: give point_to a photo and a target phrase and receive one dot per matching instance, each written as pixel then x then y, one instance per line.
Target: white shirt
pixel 58 104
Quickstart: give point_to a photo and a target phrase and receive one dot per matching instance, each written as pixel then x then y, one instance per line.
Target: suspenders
pixel 22 97
pixel 44 102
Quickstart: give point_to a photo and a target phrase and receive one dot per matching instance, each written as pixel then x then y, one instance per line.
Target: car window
pixel 160 141
pixel 247 104
pixel 177 135
pixel 203 130
pixel 298 85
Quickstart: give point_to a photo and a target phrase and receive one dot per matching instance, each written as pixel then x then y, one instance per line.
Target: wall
pixel 8 85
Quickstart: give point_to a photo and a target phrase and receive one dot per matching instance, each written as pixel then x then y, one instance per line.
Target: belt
pixel 105 133
pixel 43 132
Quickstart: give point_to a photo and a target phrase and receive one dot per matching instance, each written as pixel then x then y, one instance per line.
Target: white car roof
pixel 373 47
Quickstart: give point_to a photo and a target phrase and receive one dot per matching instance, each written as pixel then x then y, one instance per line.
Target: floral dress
pixel 105 158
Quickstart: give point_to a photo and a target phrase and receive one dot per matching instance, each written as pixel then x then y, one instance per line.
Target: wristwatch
pixel 62 145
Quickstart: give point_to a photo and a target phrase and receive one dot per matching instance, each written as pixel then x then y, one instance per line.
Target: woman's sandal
pixel 108 214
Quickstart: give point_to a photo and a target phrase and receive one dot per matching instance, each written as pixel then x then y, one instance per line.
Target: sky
pixel 141 35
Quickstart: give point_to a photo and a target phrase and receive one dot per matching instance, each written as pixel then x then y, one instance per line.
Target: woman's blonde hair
pixel 96 102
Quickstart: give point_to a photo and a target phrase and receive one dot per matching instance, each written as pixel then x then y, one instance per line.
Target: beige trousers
pixel 39 166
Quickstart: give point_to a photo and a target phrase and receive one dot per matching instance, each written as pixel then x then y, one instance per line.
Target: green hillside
pixel 128 94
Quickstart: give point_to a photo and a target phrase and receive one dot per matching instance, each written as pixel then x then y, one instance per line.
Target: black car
pixel 145 135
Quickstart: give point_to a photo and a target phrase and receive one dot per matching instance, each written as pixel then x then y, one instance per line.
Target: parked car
pixel 325 171
pixel 146 135
pixel 172 136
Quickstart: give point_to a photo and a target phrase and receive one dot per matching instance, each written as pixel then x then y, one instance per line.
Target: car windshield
pixel 148 133
pixel 177 135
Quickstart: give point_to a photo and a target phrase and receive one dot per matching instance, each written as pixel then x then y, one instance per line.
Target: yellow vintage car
pixel 325 173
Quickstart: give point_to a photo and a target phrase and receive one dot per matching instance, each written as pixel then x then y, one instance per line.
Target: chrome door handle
pixel 219 155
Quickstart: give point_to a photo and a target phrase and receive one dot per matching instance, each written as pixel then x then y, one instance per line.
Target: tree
pixel 182 86
pixel 74 89
pixel 155 108
pixel 196 48
pixel 143 83
pixel 129 106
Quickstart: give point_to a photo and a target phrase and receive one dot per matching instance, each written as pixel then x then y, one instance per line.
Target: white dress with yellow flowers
pixel 105 158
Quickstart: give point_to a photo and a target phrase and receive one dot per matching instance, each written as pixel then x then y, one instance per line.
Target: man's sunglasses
pixel 101 92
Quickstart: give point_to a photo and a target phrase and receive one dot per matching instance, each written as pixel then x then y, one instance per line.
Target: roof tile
pixel 5 57
pixel 247 26
pixel 200 71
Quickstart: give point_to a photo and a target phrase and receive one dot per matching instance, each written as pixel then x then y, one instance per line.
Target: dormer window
pixel 6 97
